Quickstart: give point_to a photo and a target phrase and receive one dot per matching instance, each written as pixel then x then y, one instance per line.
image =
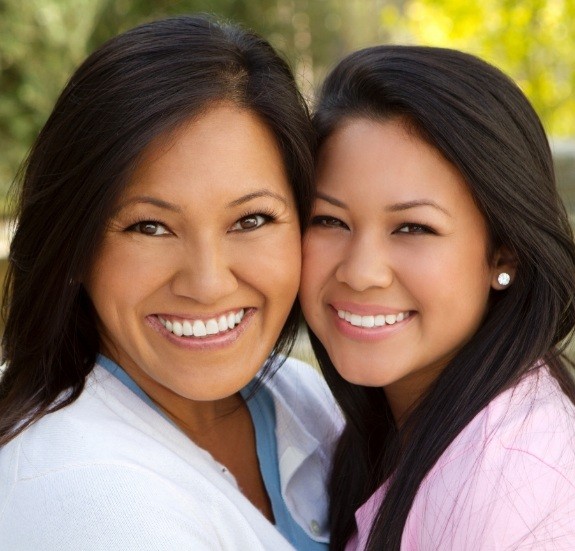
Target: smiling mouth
pixel 372 321
pixel 203 328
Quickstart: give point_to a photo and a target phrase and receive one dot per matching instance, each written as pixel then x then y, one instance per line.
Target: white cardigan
pixel 110 473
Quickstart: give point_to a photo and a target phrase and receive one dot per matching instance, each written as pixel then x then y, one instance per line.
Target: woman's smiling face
pixel 396 274
pixel 200 263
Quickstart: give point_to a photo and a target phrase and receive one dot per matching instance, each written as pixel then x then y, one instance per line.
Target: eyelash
pixel 323 222
pixel 420 228
pixel 335 223
pixel 136 227
pixel 269 215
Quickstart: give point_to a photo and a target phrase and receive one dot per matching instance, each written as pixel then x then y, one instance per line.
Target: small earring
pixel 503 279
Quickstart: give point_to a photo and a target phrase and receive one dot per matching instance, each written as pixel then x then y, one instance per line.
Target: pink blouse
pixel 507 482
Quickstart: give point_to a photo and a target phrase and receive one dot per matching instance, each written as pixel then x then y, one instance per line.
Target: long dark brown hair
pixel 135 87
pixel 483 124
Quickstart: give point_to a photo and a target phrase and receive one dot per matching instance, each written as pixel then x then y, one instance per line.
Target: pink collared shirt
pixel 507 482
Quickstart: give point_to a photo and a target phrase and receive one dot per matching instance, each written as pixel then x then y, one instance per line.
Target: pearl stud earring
pixel 503 278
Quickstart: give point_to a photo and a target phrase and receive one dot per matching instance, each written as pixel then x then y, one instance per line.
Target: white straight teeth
pixel 200 328
pixel 372 321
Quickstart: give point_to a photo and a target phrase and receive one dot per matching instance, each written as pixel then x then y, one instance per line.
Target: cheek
pixel 449 269
pixel 287 264
pixel 315 266
pixel 110 297
pixel 274 266
pixel 120 278
pixel 98 283
pixel 282 281
pixel 453 292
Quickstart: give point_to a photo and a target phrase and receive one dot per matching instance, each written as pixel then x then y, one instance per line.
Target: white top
pixel 108 472
pixel 507 482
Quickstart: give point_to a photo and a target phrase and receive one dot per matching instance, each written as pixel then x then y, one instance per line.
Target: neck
pixel 404 394
pixel 196 417
pixel 200 419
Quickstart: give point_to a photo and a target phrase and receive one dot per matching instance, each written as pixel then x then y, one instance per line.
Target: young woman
pixel 439 286
pixel 152 273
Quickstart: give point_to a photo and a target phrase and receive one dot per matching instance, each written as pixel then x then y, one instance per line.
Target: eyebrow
pixel 255 195
pixel 396 207
pixel 146 199
pixel 332 200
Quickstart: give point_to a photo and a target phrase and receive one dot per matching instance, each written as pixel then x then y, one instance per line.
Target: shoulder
pixel 509 478
pixel 293 374
pixel 300 389
pixel 103 431
pixel 308 424
pixel 83 467
pixel 85 430
pixel 533 417
pixel 536 418
pixel 115 507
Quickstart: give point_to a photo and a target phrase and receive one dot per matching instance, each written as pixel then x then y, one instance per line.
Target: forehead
pixel 368 159
pixel 225 150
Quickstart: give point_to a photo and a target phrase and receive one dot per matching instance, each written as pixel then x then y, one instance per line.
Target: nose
pixel 205 273
pixel 365 264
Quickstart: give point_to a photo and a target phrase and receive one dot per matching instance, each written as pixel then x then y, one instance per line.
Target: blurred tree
pixel 345 25
pixel 42 41
pixel 531 40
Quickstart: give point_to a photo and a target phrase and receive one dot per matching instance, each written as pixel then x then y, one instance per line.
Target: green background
pixel 42 41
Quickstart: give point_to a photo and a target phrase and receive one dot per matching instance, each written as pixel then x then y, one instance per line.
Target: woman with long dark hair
pixel 439 285
pixel 152 274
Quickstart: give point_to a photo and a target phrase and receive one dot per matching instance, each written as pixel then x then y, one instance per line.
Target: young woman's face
pixel 200 262
pixel 396 275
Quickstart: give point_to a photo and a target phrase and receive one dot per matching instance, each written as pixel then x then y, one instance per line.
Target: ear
pixel 504 262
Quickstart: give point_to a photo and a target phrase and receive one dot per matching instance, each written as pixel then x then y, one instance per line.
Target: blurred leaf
pixel 42 41
pixel 532 41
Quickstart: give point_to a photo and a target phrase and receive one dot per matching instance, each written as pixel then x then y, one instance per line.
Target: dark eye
pixel 251 222
pixel 414 228
pixel 149 227
pixel 327 222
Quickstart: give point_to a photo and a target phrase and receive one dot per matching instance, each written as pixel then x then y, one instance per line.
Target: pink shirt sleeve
pixel 506 483
pixel 527 505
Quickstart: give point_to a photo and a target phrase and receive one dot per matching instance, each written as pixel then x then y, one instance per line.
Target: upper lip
pixel 202 317
pixel 367 309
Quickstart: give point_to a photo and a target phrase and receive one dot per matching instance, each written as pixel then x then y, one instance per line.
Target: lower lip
pixel 369 334
pixel 209 342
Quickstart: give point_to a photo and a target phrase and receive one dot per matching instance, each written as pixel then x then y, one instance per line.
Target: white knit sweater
pixel 110 473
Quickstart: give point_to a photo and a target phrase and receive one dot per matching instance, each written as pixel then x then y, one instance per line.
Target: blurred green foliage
pixel 42 41
pixel 532 40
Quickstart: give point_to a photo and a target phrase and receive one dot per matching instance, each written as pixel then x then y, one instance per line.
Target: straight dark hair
pixel 136 87
pixel 483 124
